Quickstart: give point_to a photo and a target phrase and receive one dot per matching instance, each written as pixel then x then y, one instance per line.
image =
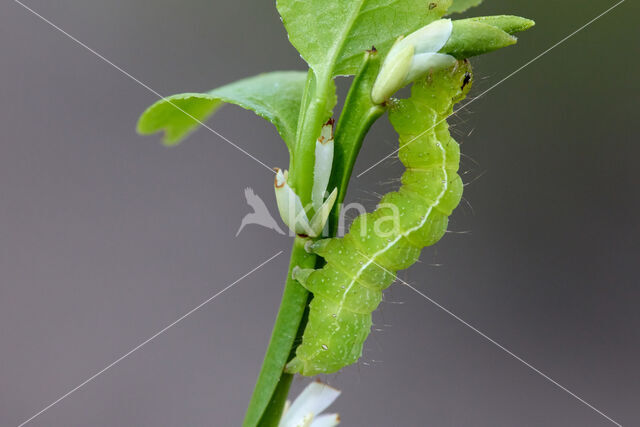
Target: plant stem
pixel 272 385
pixel 275 408
pixel 358 114
pixel 315 113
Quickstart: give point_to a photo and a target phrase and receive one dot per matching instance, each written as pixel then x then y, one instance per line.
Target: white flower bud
pixel 289 205
pixel 293 212
pixel 412 56
pixel 392 74
pixel 427 61
pixel 322 166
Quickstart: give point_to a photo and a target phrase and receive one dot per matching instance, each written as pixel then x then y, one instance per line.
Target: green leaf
pixel 476 36
pixel 332 36
pixel 460 6
pixel 507 23
pixel 274 96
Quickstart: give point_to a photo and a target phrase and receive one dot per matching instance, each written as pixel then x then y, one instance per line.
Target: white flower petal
pixel 410 57
pixel 430 38
pixel 327 420
pixel 315 398
pixel 290 205
pixel 306 421
pixel 326 133
pixel 322 165
pixel 425 62
pixel 393 72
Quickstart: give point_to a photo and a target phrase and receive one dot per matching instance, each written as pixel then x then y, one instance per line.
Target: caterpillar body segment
pixel 360 265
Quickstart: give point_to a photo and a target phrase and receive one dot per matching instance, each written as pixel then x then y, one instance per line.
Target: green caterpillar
pixel 364 262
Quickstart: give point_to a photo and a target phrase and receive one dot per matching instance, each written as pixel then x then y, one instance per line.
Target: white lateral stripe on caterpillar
pixel 303 274
pixel 400 236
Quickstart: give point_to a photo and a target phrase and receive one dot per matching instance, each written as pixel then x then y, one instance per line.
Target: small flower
pixel 292 211
pixel 305 410
pixel 289 204
pixel 323 164
pixel 412 56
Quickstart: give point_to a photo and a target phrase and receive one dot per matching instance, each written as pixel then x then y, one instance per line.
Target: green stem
pixel 358 114
pixel 272 385
pixel 275 408
pixel 318 101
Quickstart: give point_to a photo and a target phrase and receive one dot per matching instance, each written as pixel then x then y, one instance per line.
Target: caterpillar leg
pixel 333 339
pixel 302 275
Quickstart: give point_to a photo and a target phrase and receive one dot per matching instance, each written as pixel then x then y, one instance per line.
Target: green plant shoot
pixel 339 281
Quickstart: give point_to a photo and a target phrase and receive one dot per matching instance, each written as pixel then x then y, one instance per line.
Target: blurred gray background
pixel 107 237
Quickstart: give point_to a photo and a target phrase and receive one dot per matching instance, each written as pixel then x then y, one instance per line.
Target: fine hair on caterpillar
pixel 360 265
